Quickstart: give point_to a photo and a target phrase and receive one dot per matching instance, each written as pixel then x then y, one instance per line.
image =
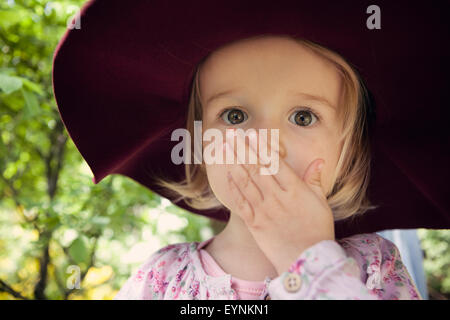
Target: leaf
pixel 99 220
pixel 31 104
pixel 7 71
pixel 34 87
pixel 52 222
pixel 10 84
pixel 78 250
pixel 10 17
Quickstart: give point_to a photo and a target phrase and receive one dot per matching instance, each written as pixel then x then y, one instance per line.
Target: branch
pixel 39 152
pixel 435 295
pixel 58 142
pixel 6 288
pixel 15 197
pixel 39 289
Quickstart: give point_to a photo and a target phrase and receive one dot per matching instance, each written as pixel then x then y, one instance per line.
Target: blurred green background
pixel 55 224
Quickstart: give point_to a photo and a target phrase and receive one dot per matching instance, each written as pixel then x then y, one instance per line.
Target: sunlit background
pixel 56 226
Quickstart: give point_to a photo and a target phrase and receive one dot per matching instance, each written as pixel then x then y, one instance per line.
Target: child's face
pixel 266 74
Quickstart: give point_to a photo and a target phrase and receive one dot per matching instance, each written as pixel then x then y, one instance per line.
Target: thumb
pixel 313 176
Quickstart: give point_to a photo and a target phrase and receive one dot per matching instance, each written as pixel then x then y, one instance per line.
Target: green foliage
pixel 435 243
pixel 52 216
pixel 79 250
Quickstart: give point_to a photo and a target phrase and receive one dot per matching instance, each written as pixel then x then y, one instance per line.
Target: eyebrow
pixel 307 96
pixel 220 94
pixel 311 97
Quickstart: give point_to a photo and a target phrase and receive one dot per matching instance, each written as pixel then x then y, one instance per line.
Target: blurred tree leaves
pixel 9 84
pixel 436 245
pixel 52 216
pixel 79 250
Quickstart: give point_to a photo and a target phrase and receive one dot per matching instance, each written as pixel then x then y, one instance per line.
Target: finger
pixel 241 206
pixel 284 174
pixel 264 184
pixel 313 177
pixel 245 180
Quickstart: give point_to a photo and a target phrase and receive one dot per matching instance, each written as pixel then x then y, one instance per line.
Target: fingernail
pixel 320 166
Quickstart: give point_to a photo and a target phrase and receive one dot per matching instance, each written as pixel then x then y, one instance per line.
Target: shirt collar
pixel 219 285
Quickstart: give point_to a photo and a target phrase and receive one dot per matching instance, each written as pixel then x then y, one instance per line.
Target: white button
pixel 292 282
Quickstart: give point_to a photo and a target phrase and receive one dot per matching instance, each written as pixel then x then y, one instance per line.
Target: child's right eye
pixel 234 117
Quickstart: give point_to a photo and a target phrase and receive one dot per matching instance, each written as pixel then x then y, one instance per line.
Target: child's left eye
pixel 304 117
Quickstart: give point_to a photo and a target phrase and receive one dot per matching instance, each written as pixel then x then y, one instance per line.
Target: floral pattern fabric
pixel 360 267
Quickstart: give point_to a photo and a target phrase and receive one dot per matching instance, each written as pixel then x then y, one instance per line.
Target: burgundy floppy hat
pixel 122 82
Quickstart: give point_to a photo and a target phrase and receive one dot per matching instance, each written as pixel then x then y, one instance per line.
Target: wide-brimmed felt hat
pixel 122 79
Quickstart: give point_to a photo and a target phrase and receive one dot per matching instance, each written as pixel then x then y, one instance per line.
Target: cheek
pixel 331 155
pixel 303 153
pixel 218 182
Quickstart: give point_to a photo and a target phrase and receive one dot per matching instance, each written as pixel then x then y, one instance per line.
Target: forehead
pixel 268 66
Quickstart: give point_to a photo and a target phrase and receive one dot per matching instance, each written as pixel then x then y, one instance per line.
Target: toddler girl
pixel 279 242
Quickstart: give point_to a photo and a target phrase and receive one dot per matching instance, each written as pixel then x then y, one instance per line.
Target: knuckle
pixel 278 204
pixel 250 216
pixel 257 226
pixel 239 179
pixel 258 205
pixel 245 180
pixel 253 170
pixel 247 215
pixel 241 204
pixel 252 223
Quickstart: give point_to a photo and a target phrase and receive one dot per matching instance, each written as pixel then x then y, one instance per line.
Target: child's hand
pixel 285 214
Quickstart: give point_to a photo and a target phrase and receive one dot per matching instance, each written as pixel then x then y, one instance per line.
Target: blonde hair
pixel 348 196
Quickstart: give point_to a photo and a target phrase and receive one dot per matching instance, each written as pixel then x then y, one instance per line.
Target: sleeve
pixel 322 272
pixel 390 279
pixel 149 282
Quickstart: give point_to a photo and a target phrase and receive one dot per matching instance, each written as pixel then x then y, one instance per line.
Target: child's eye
pixel 236 116
pixel 304 117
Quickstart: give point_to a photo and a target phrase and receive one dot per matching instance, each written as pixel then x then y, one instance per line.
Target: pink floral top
pixel 360 267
